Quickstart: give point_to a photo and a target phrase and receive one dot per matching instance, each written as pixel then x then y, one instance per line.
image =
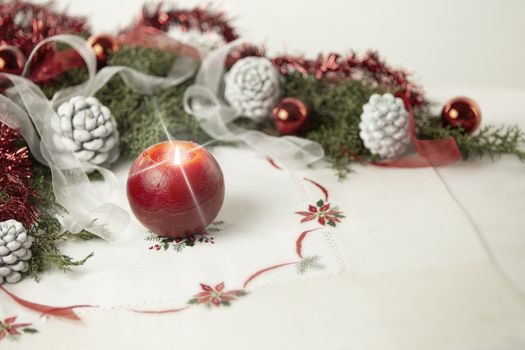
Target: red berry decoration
pixel 12 60
pixel 462 112
pixel 175 188
pixel 290 116
pixel 104 46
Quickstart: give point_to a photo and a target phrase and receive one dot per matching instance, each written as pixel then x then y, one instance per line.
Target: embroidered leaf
pixel 320 203
pixel 29 330
pixel 309 263
pixel 178 244
pixel 331 223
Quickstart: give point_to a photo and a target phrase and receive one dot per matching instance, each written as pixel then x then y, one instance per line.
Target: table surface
pixel 434 259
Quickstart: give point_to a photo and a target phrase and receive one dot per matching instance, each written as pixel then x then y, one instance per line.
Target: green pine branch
pixel 47 232
pixel 488 141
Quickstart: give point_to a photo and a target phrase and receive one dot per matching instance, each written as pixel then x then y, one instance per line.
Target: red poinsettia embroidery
pixel 322 213
pixel 9 328
pixel 216 295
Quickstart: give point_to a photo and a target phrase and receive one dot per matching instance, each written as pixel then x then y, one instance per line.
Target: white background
pixel 446 42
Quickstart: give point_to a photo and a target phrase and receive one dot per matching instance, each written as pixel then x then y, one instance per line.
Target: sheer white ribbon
pixel 28 110
pixel 203 101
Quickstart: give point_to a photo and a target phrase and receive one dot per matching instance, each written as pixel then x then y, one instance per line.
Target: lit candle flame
pixel 176 159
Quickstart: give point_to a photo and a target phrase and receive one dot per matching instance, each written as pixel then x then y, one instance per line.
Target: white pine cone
pixel 384 126
pixel 88 128
pixel 14 251
pixel 252 87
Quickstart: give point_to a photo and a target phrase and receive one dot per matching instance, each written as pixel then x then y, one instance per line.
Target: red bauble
pixel 12 60
pixel 175 188
pixel 104 46
pixel 290 116
pixel 462 112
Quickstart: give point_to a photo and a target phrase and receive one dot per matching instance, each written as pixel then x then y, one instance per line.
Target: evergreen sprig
pixel 488 141
pixel 335 113
pixel 47 231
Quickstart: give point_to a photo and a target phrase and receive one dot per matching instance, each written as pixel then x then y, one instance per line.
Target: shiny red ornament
pixel 175 188
pixel 104 45
pixel 462 112
pixel 290 116
pixel 12 60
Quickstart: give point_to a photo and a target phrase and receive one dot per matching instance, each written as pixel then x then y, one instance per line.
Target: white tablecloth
pixel 434 260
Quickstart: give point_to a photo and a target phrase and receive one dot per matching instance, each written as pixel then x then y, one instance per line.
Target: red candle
pixel 175 188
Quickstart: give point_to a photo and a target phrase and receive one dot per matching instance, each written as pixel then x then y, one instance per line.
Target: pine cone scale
pixel 252 87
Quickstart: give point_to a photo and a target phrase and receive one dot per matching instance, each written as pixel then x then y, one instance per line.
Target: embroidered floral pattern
pixel 323 213
pixel 178 244
pixel 216 296
pixel 12 330
pixel 309 263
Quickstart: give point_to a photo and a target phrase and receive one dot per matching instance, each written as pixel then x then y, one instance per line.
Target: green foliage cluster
pixel 48 235
pixel 488 141
pixel 142 120
pixel 335 113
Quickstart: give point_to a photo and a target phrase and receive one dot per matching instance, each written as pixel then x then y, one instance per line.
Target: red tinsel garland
pixel 335 66
pixel 16 194
pixel 24 25
pixel 201 18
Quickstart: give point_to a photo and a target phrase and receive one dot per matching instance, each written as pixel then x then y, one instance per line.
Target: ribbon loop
pixel 202 100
